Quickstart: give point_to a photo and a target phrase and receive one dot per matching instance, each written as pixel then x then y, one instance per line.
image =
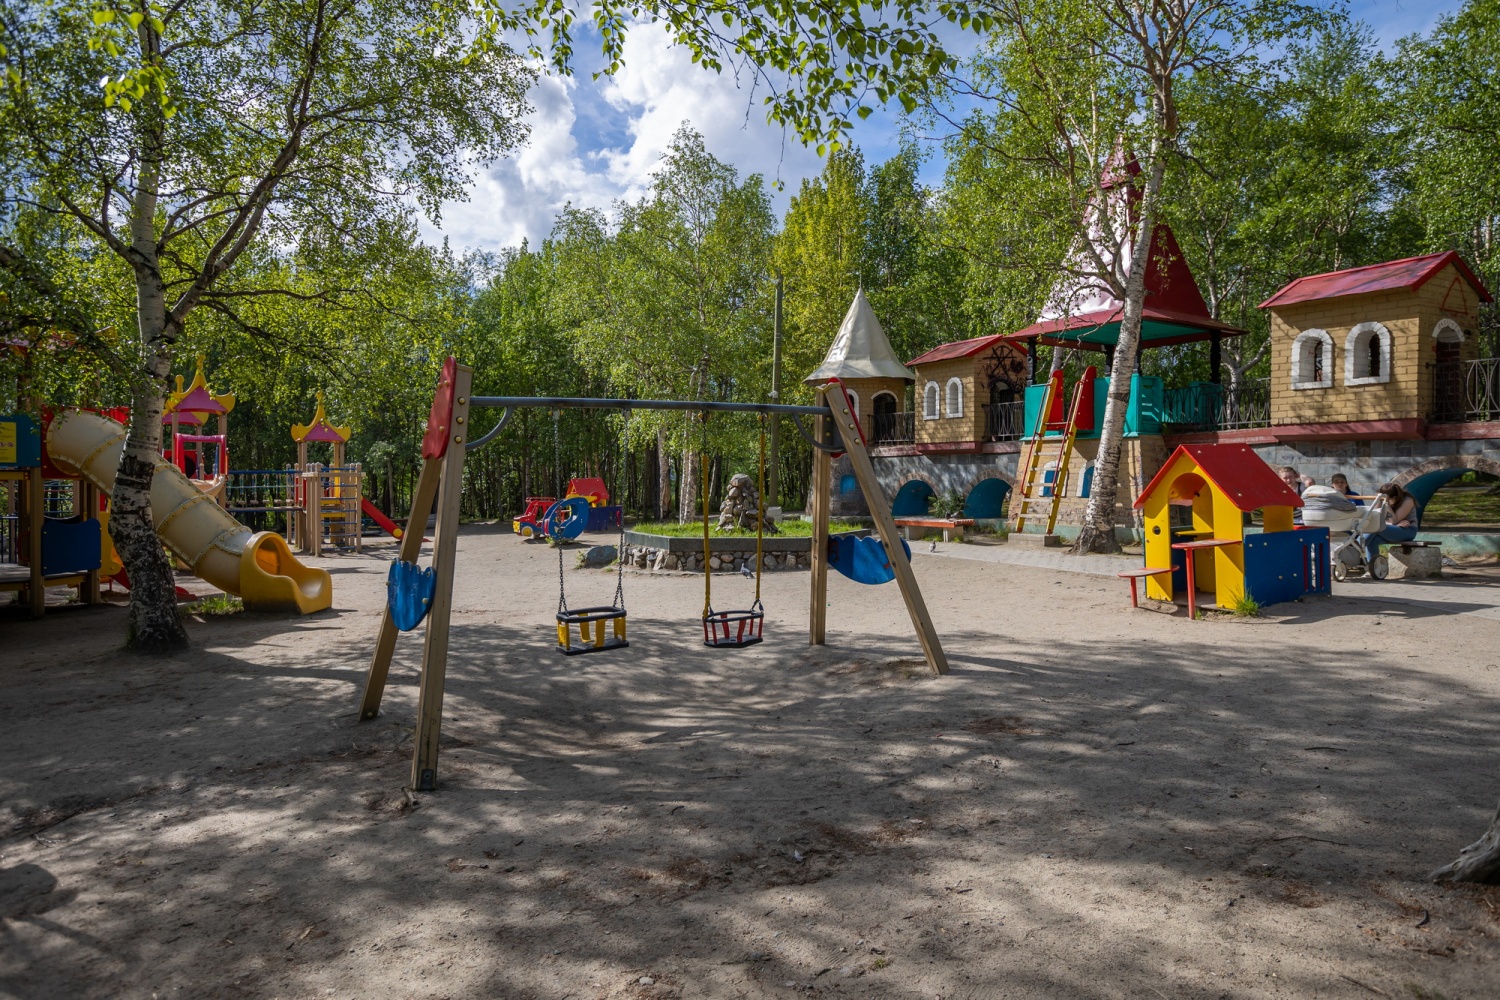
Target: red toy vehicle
pixel 527 524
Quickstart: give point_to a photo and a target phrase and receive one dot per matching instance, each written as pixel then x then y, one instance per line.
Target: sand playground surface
pixel 1097 802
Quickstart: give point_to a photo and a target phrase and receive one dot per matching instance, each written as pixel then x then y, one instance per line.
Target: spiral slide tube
pixel 258 567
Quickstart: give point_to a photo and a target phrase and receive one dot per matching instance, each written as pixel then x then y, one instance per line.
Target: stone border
pixel 666 553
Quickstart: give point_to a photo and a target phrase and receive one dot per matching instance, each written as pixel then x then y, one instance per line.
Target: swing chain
pixel 708 604
pixel 562 587
pixel 620 477
pixel 760 509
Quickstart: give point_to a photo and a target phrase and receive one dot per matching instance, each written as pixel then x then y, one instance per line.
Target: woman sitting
pixel 1400 517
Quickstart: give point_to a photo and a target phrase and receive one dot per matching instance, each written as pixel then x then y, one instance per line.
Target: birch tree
pixel 180 136
pixel 1079 91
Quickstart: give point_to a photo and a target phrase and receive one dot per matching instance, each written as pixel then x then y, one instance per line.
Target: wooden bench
pixel 1135 574
pixel 952 528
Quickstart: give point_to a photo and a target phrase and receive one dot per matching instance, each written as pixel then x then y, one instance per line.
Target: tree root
pixel 1479 862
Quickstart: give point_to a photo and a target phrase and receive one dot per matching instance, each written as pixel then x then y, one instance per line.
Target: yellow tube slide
pixel 259 567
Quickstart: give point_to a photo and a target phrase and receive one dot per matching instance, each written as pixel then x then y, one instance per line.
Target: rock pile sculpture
pixel 741 506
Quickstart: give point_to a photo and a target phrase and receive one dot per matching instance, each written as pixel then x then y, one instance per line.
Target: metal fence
pixel 1205 406
pixel 1466 390
pixel 1004 421
pixel 894 428
pixel 1247 405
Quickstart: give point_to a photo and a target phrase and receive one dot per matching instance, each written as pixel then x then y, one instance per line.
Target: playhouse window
pixel 1367 355
pixel 1312 360
pixel 853 401
pixel 955 397
pixel 930 401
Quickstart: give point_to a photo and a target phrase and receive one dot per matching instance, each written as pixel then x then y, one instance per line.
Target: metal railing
pixel 893 428
pixel 1466 390
pixel 1247 405
pixel 1004 421
pixel 1205 406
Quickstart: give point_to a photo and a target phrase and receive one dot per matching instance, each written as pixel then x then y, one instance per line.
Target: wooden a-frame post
pixel 822 507
pixel 442 478
pixel 833 395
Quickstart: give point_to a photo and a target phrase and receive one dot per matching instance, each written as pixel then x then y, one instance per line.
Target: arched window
pixel 955 407
pixel 1448 332
pixel 885 403
pixel 853 402
pixel 1312 360
pixel 930 401
pixel 1367 355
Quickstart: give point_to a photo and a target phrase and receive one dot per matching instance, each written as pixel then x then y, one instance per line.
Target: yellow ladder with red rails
pixel 1034 481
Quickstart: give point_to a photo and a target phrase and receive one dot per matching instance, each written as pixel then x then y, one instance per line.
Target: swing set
pixel 416 594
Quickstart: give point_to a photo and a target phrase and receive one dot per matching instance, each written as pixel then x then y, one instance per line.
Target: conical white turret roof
pixel 861 349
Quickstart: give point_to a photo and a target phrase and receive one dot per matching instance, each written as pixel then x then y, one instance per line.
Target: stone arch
pixel 911 496
pixel 1423 480
pixel 986 497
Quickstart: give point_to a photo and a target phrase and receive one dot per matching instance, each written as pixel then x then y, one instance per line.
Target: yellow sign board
pixel 8 450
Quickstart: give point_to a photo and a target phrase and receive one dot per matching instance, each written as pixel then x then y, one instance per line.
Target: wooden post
pixel 36 507
pixel 411 547
pixel 88 590
pixel 444 548
pixel 880 512
pixel 822 487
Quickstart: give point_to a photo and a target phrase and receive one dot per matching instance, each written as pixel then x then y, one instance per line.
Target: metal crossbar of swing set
pixel 512 403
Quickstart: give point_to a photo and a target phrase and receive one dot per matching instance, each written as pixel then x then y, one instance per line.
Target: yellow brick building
pixel 1370 346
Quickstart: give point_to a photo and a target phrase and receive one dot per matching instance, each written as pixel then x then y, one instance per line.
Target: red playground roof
pixel 958 349
pixel 1234 470
pixel 1407 275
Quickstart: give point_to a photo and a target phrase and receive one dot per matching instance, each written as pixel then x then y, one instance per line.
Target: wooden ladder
pixel 1035 478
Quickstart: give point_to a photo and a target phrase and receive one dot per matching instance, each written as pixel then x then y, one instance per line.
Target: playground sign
pixel 20 446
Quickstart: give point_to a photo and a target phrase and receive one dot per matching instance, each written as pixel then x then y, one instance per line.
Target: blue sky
pixel 595 142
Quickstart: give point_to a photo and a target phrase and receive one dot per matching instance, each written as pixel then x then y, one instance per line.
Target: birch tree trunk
pixel 663 474
pixel 1098 531
pixel 153 625
pixel 688 503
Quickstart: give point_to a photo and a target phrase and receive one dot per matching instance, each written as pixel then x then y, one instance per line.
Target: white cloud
pixel 594 142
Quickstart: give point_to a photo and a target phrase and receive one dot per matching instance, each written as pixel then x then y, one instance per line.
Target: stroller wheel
pixel 1340 571
pixel 1380 567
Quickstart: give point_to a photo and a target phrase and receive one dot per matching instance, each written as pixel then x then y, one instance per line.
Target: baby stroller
pixel 1326 507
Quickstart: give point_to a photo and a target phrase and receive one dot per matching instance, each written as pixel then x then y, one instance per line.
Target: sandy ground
pixel 1098 802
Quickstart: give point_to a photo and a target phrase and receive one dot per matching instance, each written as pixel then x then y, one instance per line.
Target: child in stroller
pixel 1327 507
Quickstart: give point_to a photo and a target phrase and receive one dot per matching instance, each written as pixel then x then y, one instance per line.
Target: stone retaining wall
pixel 726 555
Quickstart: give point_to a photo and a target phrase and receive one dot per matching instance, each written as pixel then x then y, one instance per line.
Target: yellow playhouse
pixel 1221 484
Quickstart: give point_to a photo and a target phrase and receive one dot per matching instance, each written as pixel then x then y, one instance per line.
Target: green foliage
pixel 215 606
pixel 948 503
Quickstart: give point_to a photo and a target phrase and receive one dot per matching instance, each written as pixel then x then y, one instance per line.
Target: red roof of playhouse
pixel 1236 471
pixel 958 349
pixel 1407 274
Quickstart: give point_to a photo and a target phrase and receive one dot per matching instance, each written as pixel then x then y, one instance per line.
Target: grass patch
pixel 1476 504
pixel 694 529
pixel 216 605
pixel 1245 606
